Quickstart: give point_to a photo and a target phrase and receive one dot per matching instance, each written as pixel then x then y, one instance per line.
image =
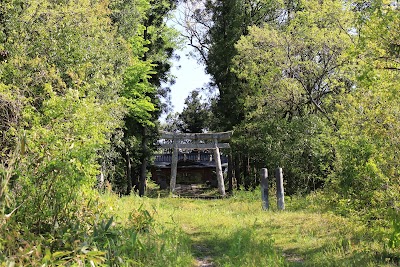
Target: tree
pixel 152 45
pixel 172 123
pixel 75 77
pixel 64 69
pixel 161 43
pixel 367 142
pixel 213 29
pixel 295 73
pixel 194 117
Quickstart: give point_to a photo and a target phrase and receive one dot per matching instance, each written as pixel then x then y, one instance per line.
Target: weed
pixel 133 231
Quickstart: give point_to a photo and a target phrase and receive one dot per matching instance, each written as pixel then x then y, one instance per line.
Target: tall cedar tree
pixel 194 117
pixel 140 133
pixel 230 21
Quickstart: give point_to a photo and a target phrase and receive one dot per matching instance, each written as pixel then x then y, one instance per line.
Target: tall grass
pixel 243 248
pixel 141 240
pixel 235 231
pixel 191 230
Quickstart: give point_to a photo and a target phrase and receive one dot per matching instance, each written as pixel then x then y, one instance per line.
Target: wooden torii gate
pixel 200 141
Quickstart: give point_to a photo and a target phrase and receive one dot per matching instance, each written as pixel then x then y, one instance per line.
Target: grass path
pixel 237 232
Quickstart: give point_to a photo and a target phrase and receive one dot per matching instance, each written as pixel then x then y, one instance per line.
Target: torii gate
pixel 200 141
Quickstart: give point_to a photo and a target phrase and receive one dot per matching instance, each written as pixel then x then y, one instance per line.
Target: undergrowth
pixel 99 239
pixel 170 231
pixel 236 232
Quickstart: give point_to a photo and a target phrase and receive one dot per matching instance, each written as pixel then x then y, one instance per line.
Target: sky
pixel 189 76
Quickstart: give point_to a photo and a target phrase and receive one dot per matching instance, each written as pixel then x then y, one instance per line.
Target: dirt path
pixel 206 262
pixel 203 260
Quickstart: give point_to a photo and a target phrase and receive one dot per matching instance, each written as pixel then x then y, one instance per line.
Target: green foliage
pixel 299 146
pixel 97 240
pixel 365 181
pixel 229 24
pixel 181 232
pixel 65 246
pixel 137 88
pixel 134 238
pixel 152 44
pixel 71 71
pixel 195 116
pixel 67 45
pixel 314 91
pixel 6 178
pixel 103 50
pixel 367 159
pixel 394 240
pixel 61 161
pixel 10 110
pixel 294 73
pixel 127 15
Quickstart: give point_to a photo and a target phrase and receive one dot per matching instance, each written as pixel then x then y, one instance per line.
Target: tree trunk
pixel 246 175
pixel 143 172
pixel 256 177
pixel 230 173
pixel 128 172
pixel 135 179
pixel 237 172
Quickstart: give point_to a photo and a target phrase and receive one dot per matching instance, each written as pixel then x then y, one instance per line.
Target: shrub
pixel 60 163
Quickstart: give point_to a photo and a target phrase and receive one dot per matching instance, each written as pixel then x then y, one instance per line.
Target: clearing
pixel 235 231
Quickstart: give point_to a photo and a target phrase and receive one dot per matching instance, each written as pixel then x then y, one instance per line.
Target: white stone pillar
pixel 174 165
pixel 220 177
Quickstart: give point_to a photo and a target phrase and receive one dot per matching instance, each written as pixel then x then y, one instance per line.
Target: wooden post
pixel 279 189
pixel 264 188
pixel 220 177
pixel 174 166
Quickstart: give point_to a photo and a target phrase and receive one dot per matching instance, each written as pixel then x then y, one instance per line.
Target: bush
pixel 60 165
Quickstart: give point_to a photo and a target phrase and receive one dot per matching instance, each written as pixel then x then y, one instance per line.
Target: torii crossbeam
pixel 196 141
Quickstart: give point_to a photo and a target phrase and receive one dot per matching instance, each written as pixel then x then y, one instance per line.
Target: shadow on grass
pixel 336 254
pixel 239 248
pixel 244 247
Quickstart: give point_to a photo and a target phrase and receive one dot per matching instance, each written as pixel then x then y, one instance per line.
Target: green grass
pixel 237 232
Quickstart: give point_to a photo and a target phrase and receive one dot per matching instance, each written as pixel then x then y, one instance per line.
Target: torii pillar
pixel 195 144
pixel 174 166
pixel 218 167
